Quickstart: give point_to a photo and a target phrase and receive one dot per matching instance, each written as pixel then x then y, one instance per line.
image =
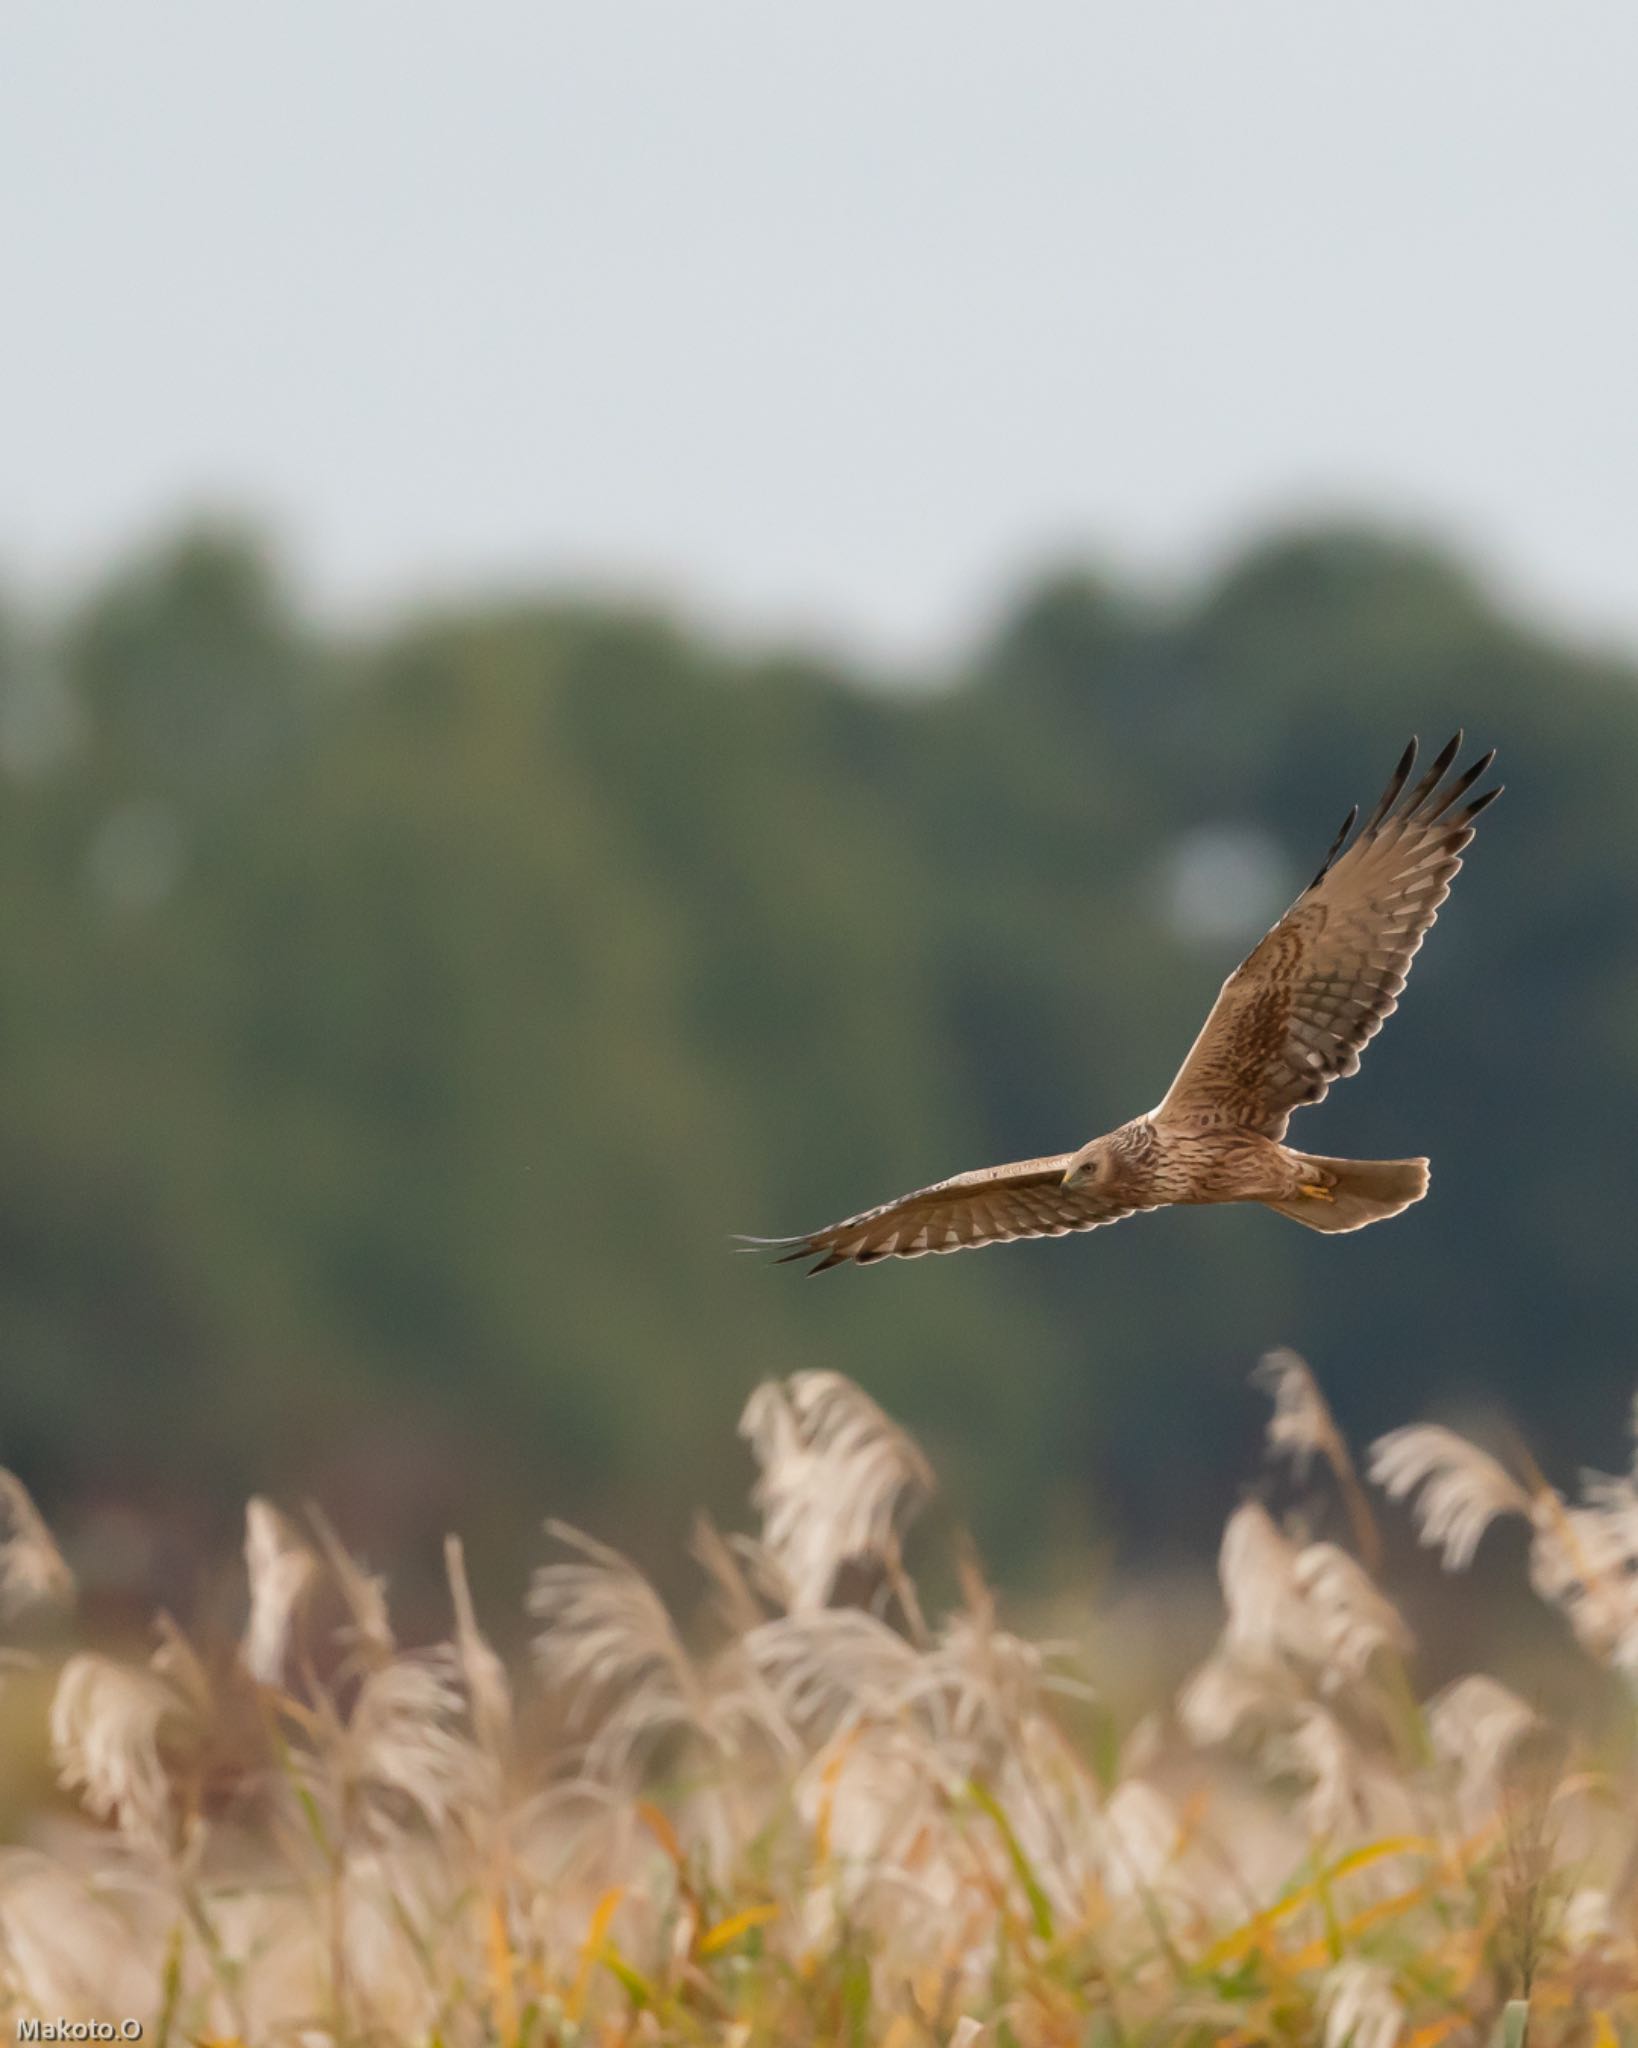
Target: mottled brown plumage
pixel 1290 1020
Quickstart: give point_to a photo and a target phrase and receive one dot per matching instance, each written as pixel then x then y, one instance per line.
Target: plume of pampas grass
pixel 1256 1566
pixel 830 1669
pixel 837 1480
pixel 980 1684
pixel 407 1750
pixel 1317 1748
pixel 64 1950
pixel 1345 1619
pixel 108 1722
pixel 282 1571
pixel 33 1571
pixel 1462 1489
pixel 1361 2006
pixel 1476 1724
pixel 368 1626
pixel 1588 1921
pixel 605 1628
pixel 1302 1426
pixel 1144 1838
pixel 1314 1606
pixel 609 1650
pixel 1582 1561
pixel 484 1675
pixel 1224 1696
pixel 725 1568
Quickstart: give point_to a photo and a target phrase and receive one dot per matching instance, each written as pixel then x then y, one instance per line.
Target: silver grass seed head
pixel 33 1571
pixel 1461 1488
pixel 406 1749
pixel 1256 1565
pixel 1589 1919
pixel 489 1695
pixel 63 1946
pixel 368 1628
pixel 838 1480
pixel 382 1950
pixel 1141 1836
pixel 1319 1749
pixel 1584 1561
pixel 1475 1725
pixel 605 1626
pixel 1301 1424
pixel 109 1723
pixel 982 1682
pixel 1223 1696
pixel 833 1668
pixel 877 1786
pixel 282 1570
pixel 1344 1616
pixel 609 1651
pixel 1361 2006
pixel 179 1664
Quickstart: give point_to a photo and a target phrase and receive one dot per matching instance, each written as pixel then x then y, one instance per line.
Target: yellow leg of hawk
pixel 1315 1192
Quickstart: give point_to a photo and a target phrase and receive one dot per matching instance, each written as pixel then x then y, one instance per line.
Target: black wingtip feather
pixel 1481 803
pixel 1336 847
pixel 1416 802
pixel 1460 787
pixel 1396 782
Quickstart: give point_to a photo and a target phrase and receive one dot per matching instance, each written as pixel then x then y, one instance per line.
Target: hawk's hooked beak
pixel 1074 1174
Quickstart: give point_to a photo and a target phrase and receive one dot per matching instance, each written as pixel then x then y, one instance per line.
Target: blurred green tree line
pixel 395 1025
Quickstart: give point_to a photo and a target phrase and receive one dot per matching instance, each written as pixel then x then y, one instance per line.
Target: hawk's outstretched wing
pixel 1028 1199
pixel 1295 1015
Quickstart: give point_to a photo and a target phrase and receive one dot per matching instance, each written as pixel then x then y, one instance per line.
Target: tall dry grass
pixel 829 1815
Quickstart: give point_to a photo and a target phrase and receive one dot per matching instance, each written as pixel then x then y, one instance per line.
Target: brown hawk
pixel 1292 1018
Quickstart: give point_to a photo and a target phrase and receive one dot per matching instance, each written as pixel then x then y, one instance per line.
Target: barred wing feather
pixel 1297 1013
pixel 991 1206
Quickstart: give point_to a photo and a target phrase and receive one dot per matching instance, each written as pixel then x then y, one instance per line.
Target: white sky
pixel 829 314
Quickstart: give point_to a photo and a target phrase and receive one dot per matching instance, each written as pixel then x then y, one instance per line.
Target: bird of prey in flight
pixel 1292 1018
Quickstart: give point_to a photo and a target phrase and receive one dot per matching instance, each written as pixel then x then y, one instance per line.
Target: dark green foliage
pixel 392 1033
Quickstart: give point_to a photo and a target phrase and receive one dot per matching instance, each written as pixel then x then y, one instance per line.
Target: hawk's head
pixel 1091 1166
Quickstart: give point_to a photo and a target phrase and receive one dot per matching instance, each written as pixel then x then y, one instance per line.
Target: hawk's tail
pixel 1362 1191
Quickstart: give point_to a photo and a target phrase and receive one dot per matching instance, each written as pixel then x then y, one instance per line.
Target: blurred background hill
pixel 396 1024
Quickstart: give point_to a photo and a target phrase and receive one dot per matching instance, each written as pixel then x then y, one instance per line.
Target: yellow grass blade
pixel 1314 1954
pixel 661 1829
pixel 728 1931
pixel 592 1948
pixel 1250 1932
pixel 829 1778
pixel 1039 1906
pixel 638 1988
pixel 502 1971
